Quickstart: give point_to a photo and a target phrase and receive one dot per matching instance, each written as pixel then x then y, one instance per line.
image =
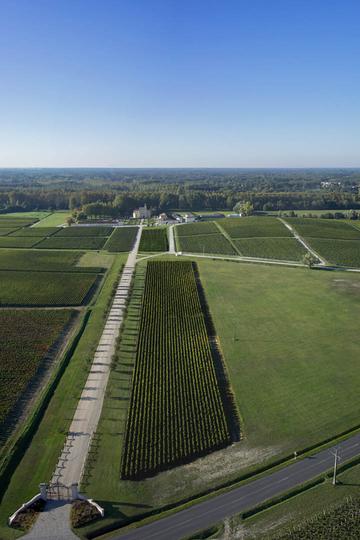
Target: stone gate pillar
pixel 43 492
pixel 74 491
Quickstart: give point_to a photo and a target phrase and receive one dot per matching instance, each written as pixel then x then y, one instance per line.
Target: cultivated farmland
pixel 190 229
pixel 216 244
pixel 5 231
pixel 25 337
pixel 176 411
pixel 338 252
pixel 35 231
pixel 71 242
pixel 324 228
pixel 45 288
pixel 79 231
pixel 18 241
pixel 14 259
pixel 288 249
pixel 248 227
pixel 122 239
pixel 154 240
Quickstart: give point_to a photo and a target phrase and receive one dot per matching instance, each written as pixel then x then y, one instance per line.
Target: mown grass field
pixel 215 244
pixel 288 249
pixel 53 220
pixel 122 239
pixel 25 338
pixel 18 288
pixel 289 337
pixel 71 242
pixel 248 227
pixel 324 228
pixel 154 240
pixel 190 229
pixel 338 252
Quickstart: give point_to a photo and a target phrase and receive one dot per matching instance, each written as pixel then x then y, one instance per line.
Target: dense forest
pixel 116 192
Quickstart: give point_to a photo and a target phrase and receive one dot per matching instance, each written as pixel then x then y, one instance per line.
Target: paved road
pixel 72 459
pixel 171 239
pixel 205 514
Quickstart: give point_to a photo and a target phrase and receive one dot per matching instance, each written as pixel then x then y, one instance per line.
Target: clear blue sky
pixel 179 83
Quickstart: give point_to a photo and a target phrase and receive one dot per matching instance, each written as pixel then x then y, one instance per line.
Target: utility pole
pixel 336 459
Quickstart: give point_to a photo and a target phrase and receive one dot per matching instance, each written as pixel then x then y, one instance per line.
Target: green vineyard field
pixel 19 288
pixel 287 249
pixel 18 241
pixel 248 227
pixel 71 242
pixel 176 411
pixel 13 259
pixel 324 228
pixel 122 239
pixel 338 252
pixel 81 231
pixel 35 231
pixel 154 240
pixel 216 244
pixel 190 229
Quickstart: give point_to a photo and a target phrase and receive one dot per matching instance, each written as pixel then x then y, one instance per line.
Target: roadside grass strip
pixel 254 226
pixel 71 242
pixel 18 241
pixel 122 239
pixel 80 231
pixel 154 240
pixel 189 229
pixel 216 244
pixel 287 249
pixel 338 252
pixel 33 231
pixel 26 337
pixel 45 288
pixel 176 411
pixel 324 228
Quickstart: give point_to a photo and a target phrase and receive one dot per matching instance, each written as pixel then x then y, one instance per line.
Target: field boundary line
pixel 225 234
pixel 299 238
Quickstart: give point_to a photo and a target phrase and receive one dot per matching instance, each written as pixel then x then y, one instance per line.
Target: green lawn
pixel 290 339
pixel 54 220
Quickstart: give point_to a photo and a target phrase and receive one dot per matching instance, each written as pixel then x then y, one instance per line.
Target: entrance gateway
pixel 56 491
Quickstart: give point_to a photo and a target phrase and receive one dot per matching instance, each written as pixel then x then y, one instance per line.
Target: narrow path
pixel 171 237
pixel 206 514
pixel 54 522
pixel 303 242
pixel 84 424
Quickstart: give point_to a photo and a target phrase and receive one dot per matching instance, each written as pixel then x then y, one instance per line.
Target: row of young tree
pixel 113 203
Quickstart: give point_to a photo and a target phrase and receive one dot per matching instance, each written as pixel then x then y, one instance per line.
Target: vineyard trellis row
pixel 176 412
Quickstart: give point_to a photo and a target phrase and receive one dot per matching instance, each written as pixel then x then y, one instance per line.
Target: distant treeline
pixel 113 203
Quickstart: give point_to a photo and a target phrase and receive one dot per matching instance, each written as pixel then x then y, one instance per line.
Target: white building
pixel 143 212
pixel 163 218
